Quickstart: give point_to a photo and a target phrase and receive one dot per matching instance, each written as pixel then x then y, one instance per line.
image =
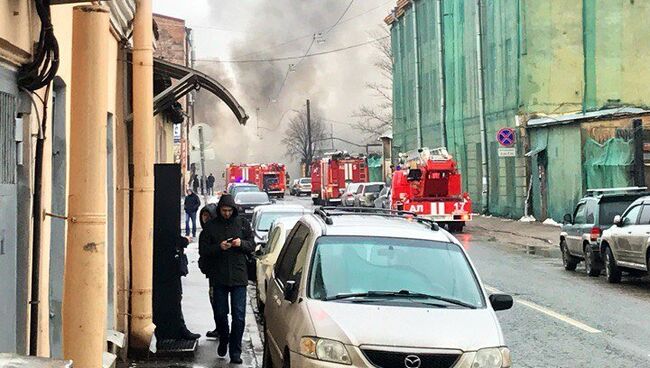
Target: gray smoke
pixel 334 83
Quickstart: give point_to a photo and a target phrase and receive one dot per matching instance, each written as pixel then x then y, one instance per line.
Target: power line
pixel 341 17
pixel 297 56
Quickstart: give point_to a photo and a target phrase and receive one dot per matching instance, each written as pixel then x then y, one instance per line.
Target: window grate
pixel 7 138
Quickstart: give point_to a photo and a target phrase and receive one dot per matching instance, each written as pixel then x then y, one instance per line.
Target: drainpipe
pixel 85 280
pixel 143 181
pixel 417 75
pixel 441 74
pixel 481 103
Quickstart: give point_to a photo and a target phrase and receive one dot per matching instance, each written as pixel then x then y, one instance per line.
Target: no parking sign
pixel 506 137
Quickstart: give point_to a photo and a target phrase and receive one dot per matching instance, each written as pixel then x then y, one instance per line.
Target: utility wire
pixel 341 17
pixel 296 56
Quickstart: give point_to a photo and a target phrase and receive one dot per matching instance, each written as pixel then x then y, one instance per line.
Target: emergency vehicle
pixel 273 179
pixel 243 173
pixel 333 173
pixel 429 185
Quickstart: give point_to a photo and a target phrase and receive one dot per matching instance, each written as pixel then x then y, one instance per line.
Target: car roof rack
pixel 621 190
pixel 326 214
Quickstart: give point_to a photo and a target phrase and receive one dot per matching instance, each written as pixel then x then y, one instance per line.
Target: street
pixel 560 318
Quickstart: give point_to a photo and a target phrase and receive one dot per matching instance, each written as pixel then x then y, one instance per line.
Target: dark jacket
pixel 226 267
pixel 210 181
pixel 192 203
pixel 211 209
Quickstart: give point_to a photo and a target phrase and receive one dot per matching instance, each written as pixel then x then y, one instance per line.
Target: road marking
pixel 549 312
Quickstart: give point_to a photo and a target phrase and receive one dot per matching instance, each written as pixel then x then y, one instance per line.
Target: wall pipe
pixel 481 102
pixel 441 74
pixel 418 122
pixel 142 326
pixel 85 278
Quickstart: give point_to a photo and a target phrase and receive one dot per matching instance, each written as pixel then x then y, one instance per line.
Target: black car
pixel 247 201
pixel 581 231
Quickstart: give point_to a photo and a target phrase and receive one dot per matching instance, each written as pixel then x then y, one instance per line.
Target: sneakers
pixel 236 361
pixel 187 335
pixel 212 334
pixel 223 347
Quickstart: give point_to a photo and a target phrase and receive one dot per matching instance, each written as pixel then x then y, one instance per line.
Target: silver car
pixel 626 245
pixel 367 193
pixel 379 291
pixel 263 217
pixel 347 197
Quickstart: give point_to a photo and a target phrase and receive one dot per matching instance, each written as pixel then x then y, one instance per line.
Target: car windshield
pixel 252 197
pixel 265 219
pixel 374 188
pixel 244 188
pixel 365 266
pixel 305 181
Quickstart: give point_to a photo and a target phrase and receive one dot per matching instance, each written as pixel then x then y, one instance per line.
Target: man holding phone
pixel 224 243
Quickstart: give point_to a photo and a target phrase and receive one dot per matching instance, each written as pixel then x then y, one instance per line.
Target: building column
pixel 85 290
pixel 144 144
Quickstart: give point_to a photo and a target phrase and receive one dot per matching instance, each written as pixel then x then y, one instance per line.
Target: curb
pixel 547 251
pixel 253 334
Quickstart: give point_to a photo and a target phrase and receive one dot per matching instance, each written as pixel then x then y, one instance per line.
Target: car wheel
pixel 591 265
pixel 568 261
pixel 612 271
pixel 266 358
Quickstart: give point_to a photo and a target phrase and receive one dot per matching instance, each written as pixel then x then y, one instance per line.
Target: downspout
pixel 85 277
pixel 481 103
pixel 417 76
pixel 142 327
pixel 441 74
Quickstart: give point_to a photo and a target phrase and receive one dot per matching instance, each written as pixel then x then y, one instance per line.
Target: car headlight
pixel 324 349
pixel 492 358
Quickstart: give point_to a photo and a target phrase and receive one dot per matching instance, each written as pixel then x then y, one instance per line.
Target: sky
pixel 235 30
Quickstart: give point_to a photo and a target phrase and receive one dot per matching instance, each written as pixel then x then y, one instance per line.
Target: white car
pixel 263 217
pixel 347 198
pixel 267 255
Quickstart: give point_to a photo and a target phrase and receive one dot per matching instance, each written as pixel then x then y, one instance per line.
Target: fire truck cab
pixel 332 173
pixel 429 184
pixel 273 179
pixel 243 173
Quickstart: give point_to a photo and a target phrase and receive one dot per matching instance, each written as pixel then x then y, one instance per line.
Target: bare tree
pixel 374 120
pixel 296 139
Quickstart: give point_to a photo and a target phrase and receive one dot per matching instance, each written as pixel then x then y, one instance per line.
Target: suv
pixel 375 288
pixel 625 245
pixel 367 193
pixel 581 231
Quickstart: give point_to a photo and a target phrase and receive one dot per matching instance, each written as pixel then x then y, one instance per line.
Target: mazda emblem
pixel 412 361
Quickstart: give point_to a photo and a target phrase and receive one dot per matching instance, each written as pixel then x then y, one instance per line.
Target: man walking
pixel 211 184
pixel 225 243
pixel 192 204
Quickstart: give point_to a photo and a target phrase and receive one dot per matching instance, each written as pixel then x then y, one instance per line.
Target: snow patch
pixel 551 222
pixel 527 219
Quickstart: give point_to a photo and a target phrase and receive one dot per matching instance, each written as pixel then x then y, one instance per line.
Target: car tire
pixel 266 357
pixel 591 266
pixel 612 271
pixel 568 261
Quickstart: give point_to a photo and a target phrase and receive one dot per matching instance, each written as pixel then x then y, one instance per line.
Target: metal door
pixel 8 209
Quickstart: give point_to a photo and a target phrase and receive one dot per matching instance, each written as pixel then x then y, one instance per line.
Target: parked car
pixel 582 230
pixel 303 187
pixel 383 201
pixel 377 291
pixel 263 216
pixel 247 201
pixel 367 193
pixel 236 188
pixel 347 198
pixel 267 255
pixel 625 246
pixel 293 189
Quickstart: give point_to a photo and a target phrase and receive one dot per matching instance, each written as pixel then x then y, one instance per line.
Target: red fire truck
pixel 430 185
pixel 270 178
pixel 273 179
pixel 333 173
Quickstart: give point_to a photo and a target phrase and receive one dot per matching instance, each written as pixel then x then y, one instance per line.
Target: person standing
pixel 195 183
pixel 203 183
pixel 211 184
pixel 224 244
pixel 192 204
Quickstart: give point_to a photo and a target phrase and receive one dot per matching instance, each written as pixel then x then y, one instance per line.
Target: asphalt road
pixel 560 318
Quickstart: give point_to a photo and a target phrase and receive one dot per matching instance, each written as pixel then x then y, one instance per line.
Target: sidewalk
pixel 199 319
pixel 533 237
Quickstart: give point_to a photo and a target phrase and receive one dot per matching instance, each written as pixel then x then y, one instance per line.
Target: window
pixel 644 219
pixel 273 238
pixel 291 259
pixel 591 208
pixel 631 216
pixel 359 190
pixel 581 214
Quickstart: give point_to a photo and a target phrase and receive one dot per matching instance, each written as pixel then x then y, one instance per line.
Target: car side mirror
pixel 291 291
pixel 501 301
pixel 568 219
pixel 617 220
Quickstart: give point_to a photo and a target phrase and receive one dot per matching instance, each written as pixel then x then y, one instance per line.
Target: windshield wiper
pixel 400 294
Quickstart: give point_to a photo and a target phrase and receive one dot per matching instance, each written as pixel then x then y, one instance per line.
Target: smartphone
pixel 229 240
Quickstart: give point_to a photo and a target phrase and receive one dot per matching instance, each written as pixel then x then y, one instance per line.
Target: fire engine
pixel 430 186
pixel 273 179
pixel 331 174
pixel 270 178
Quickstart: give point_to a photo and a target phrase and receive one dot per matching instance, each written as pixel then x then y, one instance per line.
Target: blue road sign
pixel 506 137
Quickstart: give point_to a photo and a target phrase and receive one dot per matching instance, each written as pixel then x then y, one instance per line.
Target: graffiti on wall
pixel 602 134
